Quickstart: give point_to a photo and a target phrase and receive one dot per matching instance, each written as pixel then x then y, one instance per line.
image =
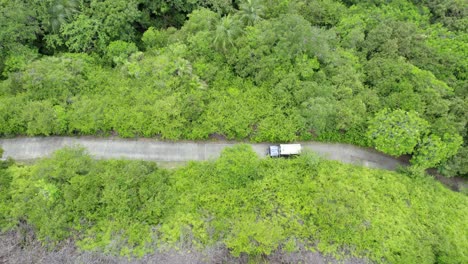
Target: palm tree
pixel 226 32
pixel 251 11
pixel 60 12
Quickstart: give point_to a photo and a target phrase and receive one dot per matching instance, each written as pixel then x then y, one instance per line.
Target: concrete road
pixel 29 148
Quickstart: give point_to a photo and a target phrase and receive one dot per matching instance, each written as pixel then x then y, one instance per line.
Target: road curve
pixel 30 148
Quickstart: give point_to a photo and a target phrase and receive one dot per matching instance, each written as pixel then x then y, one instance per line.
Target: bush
pixel 118 51
pixel 252 206
pixel 55 79
pixel 41 119
pixel 154 38
pixel 11 109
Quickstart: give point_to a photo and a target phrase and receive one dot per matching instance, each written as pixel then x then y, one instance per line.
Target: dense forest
pixel 387 74
pixel 249 205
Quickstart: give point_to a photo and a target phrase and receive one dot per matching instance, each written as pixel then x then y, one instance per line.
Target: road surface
pixel 30 148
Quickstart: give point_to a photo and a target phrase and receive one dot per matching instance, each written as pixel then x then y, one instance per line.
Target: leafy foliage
pixel 226 33
pixel 251 206
pixel 457 165
pixel 119 51
pixel 432 150
pixel 5 196
pixel 261 70
pixel 251 11
pixel 397 132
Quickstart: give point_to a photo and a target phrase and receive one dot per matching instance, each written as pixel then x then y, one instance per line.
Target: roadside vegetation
pixel 250 206
pixel 389 74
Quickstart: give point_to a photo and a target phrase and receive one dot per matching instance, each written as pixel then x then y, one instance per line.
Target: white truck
pixel 284 150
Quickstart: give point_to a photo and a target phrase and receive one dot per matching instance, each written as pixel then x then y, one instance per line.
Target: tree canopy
pixel 397 132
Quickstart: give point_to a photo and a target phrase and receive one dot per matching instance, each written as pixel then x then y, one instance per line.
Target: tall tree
pixel 102 23
pixel 227 30
pixel 18 28
pixel 251 11
pixel 60 12
pixel 432 150
pixel 396 132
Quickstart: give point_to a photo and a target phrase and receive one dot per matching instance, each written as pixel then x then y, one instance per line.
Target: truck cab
pixel 284 150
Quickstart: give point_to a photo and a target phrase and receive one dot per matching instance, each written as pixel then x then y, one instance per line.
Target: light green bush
pixel 252 206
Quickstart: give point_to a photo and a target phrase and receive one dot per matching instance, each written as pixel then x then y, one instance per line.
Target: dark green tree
pixel 18 30
pixel 104 22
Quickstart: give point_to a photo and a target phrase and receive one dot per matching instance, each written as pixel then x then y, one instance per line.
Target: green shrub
pixel 41 119
pixel 55 78
pixel 11 109
pixel 252 206
pixel 5 195
pixel 119 51
pixel 154 38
